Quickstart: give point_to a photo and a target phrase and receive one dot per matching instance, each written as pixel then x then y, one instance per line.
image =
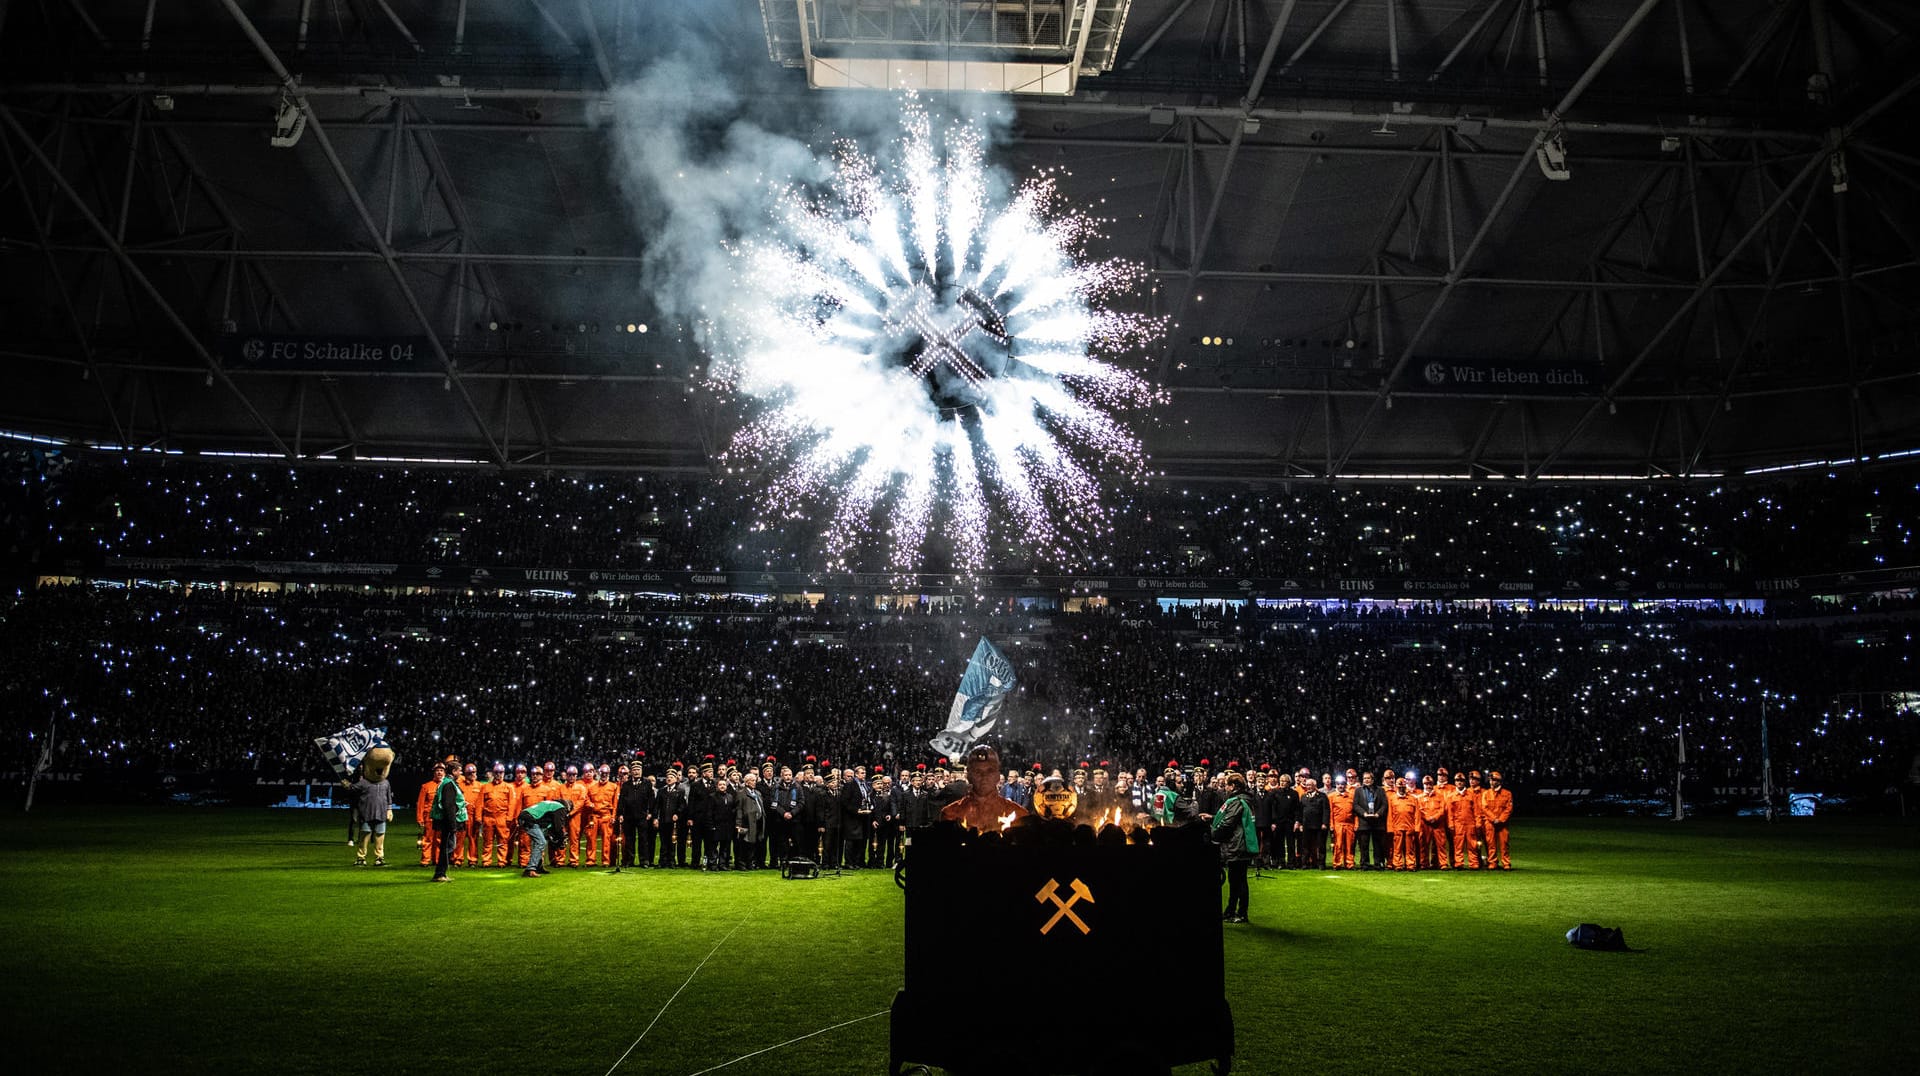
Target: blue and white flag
pixel 983 691
pixel 347 748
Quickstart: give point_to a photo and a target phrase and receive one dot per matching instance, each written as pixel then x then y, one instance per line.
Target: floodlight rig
pixel 289 123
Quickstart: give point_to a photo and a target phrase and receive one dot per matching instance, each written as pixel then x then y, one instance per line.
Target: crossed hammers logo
pixel 1051 892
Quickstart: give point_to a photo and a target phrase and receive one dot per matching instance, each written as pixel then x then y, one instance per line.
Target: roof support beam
pixel 594 43
pixel 74 324
pixel 1686 308
pixel 1754 324
pixel 1494 211
pixel 319 133
pixel 1838 139
pixel 1204 237
pixel 139 279
pixel 1159 32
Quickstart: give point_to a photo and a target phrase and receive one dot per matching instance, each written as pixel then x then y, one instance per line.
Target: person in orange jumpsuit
pixel 1463 817
pixel 588 781
pixel 468 852
pixel 423 814
pixel 518 843
pixel 574 792
pixel 497 800
pixel 1403 826
pixel 1433 823
pixel 1340 808
pixel 540 788
pixel 1496 810
pixel 603 801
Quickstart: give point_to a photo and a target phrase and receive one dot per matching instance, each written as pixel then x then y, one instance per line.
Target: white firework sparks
pixel 929 350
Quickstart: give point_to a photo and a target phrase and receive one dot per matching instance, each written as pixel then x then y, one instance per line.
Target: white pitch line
pixel 676 993
pixel 790 1042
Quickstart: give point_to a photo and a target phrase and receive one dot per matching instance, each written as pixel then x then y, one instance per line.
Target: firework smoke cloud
pixel 923 345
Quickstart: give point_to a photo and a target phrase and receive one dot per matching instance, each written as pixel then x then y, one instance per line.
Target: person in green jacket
pixel 544 823
pixel 449 816
pixel 1239 837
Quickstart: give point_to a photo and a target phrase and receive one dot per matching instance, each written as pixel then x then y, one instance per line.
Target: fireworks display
pixel 927 350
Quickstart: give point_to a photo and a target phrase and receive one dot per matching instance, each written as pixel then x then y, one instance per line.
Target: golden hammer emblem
pixel 1064 908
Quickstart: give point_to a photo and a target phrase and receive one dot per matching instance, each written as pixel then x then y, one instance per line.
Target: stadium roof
pixel 1347 207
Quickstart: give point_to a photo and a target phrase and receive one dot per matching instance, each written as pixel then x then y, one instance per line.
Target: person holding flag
pixel 346 751
pixel 984 688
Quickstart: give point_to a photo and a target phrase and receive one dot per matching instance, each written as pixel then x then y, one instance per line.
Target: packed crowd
pixel 60 508
pixel 136 681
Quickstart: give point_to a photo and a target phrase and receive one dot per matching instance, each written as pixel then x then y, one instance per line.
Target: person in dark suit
pixel 826 819
pixel 633 814
pixel 675 824
pixel 699 787
pixel 856 817
pixel 885 849
pixel 1315 813
pixel 749 823
pixel 1281 809
pixel 1207 797
pixel 716 814
pixel 1370 823
pixel 783 816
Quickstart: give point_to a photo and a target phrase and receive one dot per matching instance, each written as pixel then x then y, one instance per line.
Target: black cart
pixel 1053 911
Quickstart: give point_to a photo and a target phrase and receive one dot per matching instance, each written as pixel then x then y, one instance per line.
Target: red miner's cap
pixel 1234 765
pixel 1172 763
pixel 1264 767
pixel 826 762
pixel 1086 765
pixel 943 760
pixel 770 758
pixel 1104 764
pixel 879 769
pixel 730 762
pixel 919 765
pixel 1037 767
pixel 679 765
pixel 810 758
pixel 707 758
pixel 1206 762
pixel 639 754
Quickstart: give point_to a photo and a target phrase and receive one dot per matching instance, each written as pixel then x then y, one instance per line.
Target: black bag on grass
pixel 1594 936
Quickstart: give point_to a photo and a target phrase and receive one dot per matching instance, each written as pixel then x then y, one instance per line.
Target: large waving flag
pixel 345 749
pixel 976 707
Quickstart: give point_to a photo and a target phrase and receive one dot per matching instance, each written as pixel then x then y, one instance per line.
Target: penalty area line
pixel 676 994
pixel 790 1042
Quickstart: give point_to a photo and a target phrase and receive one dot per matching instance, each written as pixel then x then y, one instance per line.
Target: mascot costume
pixel 373 802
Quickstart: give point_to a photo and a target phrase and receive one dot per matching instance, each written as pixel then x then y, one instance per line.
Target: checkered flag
pixel 345 749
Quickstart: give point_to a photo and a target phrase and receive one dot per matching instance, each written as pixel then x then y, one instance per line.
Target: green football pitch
pixel 211 940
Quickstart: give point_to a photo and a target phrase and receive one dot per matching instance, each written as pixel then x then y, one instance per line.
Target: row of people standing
pixel 1440 822
pixel 712 818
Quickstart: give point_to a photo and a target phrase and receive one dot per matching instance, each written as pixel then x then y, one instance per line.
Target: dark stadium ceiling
pixel 1340 202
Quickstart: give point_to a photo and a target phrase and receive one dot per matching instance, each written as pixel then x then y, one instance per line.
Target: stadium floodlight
pixel 1552 156
pixel 289 123
pixel 894 46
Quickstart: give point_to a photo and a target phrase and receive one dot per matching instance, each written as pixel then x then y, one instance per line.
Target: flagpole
pixel 1680 775
pixel 42 764
pixel 1766 759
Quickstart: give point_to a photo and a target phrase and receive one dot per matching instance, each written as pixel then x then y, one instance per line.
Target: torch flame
pixel 1006 820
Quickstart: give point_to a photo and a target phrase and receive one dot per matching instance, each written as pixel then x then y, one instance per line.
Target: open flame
pixel 1006 820
pixel 1115 817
